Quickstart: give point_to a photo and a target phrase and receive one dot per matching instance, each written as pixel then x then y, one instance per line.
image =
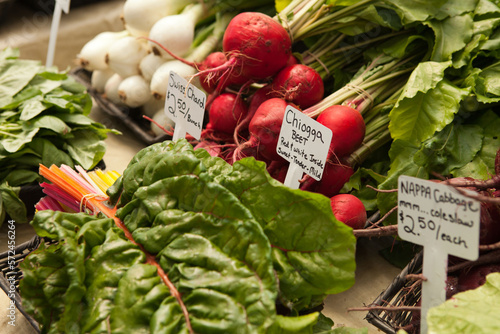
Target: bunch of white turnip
pixel 130 68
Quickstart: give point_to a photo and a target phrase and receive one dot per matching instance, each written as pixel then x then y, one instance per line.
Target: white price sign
pixel 304 143
pixel 430 212
pixel 185 105
pixel 444 222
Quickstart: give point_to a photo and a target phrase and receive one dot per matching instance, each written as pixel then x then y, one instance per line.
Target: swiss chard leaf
pixel 86 148
pixel 313 254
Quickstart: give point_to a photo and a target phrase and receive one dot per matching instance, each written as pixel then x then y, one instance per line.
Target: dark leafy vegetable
pixel 44 118
pixel 233 242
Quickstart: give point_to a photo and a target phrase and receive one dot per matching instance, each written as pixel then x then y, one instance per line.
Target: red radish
pixel 299 84
pixel 213 148
pixel 349 209
pixel 335 175
pixel 260 95
pixel 476 276
pixel 278 170
pixel 265 128
pixel 255 100
pixel 348 127
pixel 212 81
pixel 225 112
pixel 489 229
pixel 292 60
pixel 256 47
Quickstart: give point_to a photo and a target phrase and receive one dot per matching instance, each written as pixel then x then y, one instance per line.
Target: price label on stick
pixel 185 105
pixel 61 5
pixel 304 143
pixel 64 5
pixel 445 222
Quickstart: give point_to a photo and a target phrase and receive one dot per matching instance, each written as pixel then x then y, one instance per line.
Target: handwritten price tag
pixel 304 143
pixel 185 105
pixel 442 220
pixel 430 212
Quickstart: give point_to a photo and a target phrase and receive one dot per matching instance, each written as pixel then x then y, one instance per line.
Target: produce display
pixel 201 234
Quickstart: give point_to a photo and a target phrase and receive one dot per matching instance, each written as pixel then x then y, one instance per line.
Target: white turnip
pixel 149 64
pixel 139 16
pixel 99 78
pixel 111 89
pixel 175 32
pixel 125 55
pixel 159 81
pixel 92 56
pixel 134 91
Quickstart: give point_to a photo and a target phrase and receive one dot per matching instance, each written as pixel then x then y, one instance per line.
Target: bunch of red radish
pixel 250 84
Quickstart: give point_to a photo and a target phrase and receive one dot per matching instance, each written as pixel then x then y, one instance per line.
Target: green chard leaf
pixel 11 204
pixel 412 11
pixel 15 74
pixel 452 34
pixel 31 108
pixel 313 254
pixel 232 242
pixel 86 148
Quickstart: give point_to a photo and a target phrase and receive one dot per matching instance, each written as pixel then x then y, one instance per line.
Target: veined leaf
pixel 302 242
pixel 15 74
pixel 453 147
pixel 417 118
pixel 451 34
pixel 483 164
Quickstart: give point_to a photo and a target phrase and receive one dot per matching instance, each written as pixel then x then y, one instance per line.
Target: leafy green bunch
pixel 44 119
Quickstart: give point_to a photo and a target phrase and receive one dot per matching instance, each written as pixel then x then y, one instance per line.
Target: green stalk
pixel 361 83
pixel 312 17
pixel 210 43
pixel 368 147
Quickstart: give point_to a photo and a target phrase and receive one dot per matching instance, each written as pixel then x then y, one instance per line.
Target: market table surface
pixel 29 31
